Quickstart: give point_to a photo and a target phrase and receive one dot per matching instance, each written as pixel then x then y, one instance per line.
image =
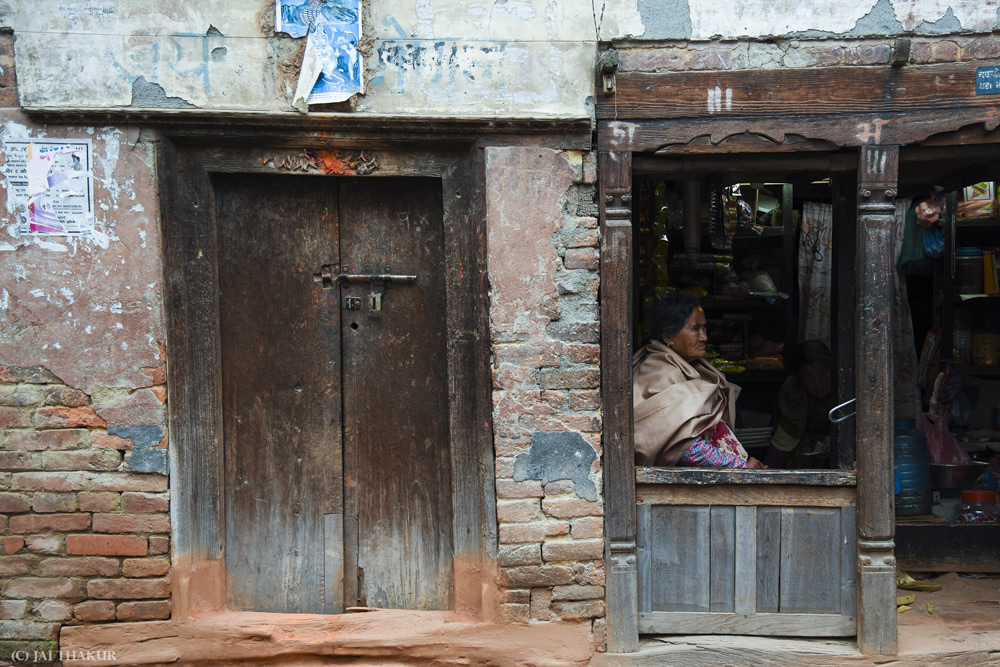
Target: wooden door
pixel 396 436
pixel 323 405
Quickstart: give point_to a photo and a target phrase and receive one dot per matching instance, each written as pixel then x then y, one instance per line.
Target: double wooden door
pixel 337 469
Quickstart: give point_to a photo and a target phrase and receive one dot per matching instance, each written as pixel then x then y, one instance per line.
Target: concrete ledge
pixel 372 638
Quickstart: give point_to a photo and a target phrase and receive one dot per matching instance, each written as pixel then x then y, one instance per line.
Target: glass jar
pixel 978 506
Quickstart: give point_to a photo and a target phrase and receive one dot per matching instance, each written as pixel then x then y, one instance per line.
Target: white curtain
pixel 906 395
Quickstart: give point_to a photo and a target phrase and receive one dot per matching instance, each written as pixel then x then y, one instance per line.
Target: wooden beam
pixel 703 133
pixel 715 476
pixel 783 92
pixel 742 494
pixel 616 395
pixel 877 175
pixel 844 304
pixel 708 623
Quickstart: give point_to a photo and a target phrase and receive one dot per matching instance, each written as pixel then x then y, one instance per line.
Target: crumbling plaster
pixel 89 310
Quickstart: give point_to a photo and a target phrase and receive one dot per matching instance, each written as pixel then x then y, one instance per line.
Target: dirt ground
pixel 963 616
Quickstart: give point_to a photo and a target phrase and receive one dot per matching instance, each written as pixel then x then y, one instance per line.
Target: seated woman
pixel 684 407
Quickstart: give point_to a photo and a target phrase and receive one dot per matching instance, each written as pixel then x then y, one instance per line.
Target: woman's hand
pixel 754 463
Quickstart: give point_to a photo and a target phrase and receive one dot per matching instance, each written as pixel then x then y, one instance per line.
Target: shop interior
pixel 767 243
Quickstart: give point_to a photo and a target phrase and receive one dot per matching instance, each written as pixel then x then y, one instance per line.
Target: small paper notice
pixel 51 186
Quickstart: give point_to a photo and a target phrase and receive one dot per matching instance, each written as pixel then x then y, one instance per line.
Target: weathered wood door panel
pixel 281 394
pixel 747 569
pixel 396 394
pixel 335 410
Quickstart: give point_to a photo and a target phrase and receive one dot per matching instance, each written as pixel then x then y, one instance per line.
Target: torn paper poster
pixel 331 67
pixel 51 185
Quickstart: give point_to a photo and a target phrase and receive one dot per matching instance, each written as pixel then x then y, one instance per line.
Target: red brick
pixel 22 395
pixel 987 48
pixel 129 482
pixel 145 502
pixel 508 488
pixel 712 59
pixel 29 374
pixel 16 461
pixel 44 523
pixel 11 503
pixel 101 501
pixel 53 502
pixel 11 544
pixel 584 400
pixel 52 417
pixel 160 391
pixel 95 459
pixel 869 54
pixel 71 438
pixel 572 550
pixel 577 592
pixel 587 527
pixel 515 613
pixel 125 589
pixel 572 611
pixel 49 481
pixel 106 545
pixel 570 508
pixel 514 533
pixel 570 379
pixel 52 610
pixel 536 575
pixel 37 587
pixel 146 610
pixel 824 55
pixel 560 487
pixel 145 567
pixel 67 396
pixel 13 418
pixel 88 566
pixel 12 609
pixel 582 258
pixel 11 566
pixel 541 604
pixel 105 441
pixel 131 523
pixel 159 545
pixel 580 353
pixel 938 52
pixel 518 511
pixel 94 610
pixel 519 554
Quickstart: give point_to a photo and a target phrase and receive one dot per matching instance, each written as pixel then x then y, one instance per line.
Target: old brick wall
pixel 768 54
pixel 543 261
pixel 84 523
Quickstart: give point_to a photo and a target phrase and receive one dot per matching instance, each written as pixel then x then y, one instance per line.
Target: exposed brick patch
pixel 987 48
pixel 21 395
pixel 572 550
pixel 45 544
pixel 582 258
pixel 571 611
pixel 30 374
pixel 587 528
pixel 12 609
pixel 66 396
pixel 868 54
pixel 577 592
pixel 49 481
pixel 97 459
pixel 16 461
pixel 102 501
pixel 514 533
pixel 652 60
pixel 53 610
pixel 519 554
pixel 11 566
pixel 14 417
pixel 507 488
pixel 28 630
pixel 54 502
pixel 129 482
pixel 104 441
pixel 538 575
pixel 518 511
pixel 148 610
pixel 106 545
pixel 923 53
pixel 541 604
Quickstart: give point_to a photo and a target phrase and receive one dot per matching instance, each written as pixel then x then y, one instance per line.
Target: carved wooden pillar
pixel 877 176
pixel 615 173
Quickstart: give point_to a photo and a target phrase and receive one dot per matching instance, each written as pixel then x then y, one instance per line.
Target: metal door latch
pixel 328 277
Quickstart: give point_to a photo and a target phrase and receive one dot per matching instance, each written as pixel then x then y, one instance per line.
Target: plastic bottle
pixel 911 469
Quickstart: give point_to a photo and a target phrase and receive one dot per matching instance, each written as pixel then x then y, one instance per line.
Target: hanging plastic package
pixel 933 242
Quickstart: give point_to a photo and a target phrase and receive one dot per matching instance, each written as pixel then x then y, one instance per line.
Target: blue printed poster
pixel 331 67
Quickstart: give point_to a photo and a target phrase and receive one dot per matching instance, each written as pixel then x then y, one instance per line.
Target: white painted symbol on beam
pixel 715 99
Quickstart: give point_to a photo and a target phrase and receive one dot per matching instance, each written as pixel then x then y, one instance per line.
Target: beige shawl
pixel 674 401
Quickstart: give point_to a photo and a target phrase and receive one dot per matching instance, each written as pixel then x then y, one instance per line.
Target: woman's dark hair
pixel 809 351
pixel 670 314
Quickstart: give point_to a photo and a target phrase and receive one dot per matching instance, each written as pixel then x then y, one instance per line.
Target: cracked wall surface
pixel 84 501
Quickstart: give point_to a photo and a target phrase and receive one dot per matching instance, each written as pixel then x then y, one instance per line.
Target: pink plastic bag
pixel 941 444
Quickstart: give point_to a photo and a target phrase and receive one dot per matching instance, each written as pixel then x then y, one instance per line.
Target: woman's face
pixel 689 342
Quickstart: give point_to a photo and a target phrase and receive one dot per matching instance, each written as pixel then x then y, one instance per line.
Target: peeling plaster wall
pixel 527 58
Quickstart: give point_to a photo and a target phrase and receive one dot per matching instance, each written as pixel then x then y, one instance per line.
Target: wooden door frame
pixel 185 163
pixel 873 110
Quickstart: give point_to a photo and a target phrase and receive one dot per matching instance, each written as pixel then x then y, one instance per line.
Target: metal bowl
pixel 955 475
